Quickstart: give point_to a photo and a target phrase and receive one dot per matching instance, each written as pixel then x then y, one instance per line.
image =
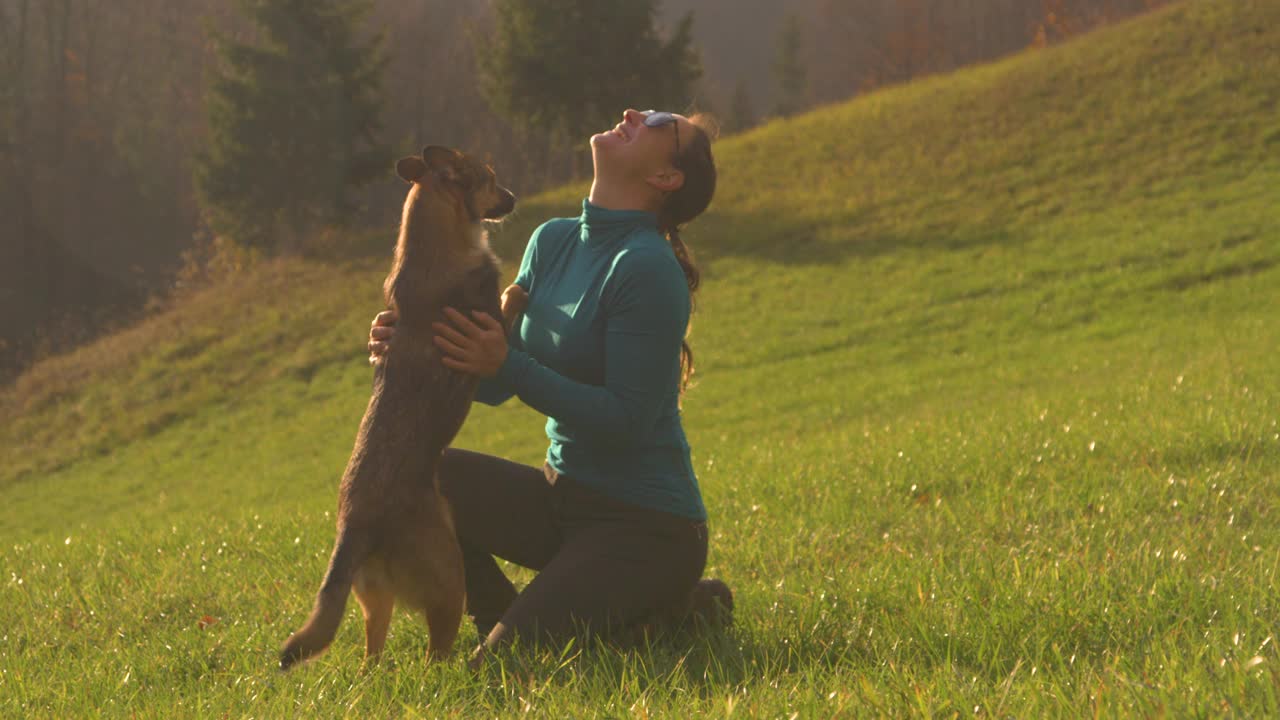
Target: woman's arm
pixel 648 312
pixel 491 390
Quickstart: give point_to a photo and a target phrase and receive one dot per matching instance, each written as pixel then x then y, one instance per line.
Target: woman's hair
pixel 685 204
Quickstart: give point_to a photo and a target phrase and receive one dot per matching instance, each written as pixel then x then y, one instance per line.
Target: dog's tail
pixel 348 554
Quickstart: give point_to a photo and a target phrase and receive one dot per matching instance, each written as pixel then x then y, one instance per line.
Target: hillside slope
pixel 1123 171
pixel 977 357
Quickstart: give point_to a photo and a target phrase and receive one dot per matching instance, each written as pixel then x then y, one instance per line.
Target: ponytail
pixel 684 204
pixel 691 276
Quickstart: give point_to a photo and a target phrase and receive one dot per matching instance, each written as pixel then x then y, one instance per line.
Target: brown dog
pixel 395 531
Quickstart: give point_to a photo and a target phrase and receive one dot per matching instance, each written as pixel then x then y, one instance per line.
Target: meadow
pixel 987 420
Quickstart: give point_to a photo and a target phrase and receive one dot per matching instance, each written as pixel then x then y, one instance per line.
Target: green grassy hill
pixel 987 422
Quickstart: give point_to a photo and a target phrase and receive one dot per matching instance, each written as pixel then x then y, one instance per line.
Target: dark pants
pixel 605 566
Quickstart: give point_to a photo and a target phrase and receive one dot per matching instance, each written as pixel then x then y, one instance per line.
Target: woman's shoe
pixel 711 603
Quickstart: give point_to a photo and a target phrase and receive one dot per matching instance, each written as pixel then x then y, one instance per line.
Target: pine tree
pixel 788 69
pixel 293 123
pixel 564 69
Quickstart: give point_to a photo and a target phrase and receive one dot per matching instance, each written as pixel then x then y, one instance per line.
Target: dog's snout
pixel 506 203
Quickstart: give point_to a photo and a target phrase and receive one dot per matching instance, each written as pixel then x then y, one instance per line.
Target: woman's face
pixel 636 150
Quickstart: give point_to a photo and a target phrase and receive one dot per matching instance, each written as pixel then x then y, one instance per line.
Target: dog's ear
pixel 411 168
pixel 447 162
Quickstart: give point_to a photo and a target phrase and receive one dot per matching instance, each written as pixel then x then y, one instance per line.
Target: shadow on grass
pixel 1187 281
pixel 711 664
pixel 830 239
pixel 771 237
pixel 1200 454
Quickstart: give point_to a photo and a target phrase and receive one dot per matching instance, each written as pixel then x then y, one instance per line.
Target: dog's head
pixel 471 179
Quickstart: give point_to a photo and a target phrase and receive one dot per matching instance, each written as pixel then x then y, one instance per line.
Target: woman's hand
pixel 380 333
pixel 475 345
pixel 514 302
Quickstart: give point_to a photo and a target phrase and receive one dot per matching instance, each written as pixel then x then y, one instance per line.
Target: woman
pixel 614 521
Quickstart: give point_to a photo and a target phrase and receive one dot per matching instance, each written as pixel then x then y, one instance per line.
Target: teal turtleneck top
pixel 598 352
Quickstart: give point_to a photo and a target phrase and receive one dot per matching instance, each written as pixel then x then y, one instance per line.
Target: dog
pixel 395 535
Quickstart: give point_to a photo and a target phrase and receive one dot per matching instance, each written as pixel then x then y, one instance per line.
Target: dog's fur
pixel 395 531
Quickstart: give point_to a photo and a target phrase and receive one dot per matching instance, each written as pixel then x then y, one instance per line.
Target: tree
pixel 742 112
pixel 789 70
pixel 293 123
pixel 563 69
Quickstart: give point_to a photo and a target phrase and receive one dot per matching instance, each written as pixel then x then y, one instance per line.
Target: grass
pixel 987 423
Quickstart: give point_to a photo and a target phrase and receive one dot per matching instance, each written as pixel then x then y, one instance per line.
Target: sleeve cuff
pixel 512 368
pixel 490 391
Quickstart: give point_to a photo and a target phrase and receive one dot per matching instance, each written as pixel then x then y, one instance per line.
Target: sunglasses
pixel 658 118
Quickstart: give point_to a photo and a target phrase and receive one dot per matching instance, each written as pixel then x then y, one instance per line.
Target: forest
pixel 105 111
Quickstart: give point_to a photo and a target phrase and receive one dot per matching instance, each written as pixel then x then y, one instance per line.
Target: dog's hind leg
pixel 377 600
pixel 438 585
pixel 444 617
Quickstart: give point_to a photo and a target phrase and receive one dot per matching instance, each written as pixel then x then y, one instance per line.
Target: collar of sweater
pixel 601 225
